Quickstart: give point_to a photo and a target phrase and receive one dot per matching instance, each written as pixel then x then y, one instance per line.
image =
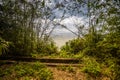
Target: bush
pixel 45 74
pixel 112 69
pixel 90 51
pixel 80 55
pixel 64 54
pixel 91 66
pixel 74 46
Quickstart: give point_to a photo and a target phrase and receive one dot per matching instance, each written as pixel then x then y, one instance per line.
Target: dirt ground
pixel 77 75
pixel 66 75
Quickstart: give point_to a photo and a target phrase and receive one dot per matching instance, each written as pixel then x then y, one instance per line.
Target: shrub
pixel 91 66
pixel 91 51
pixel 45 74
pixel 64 54
pixel 80 55
pixel 112 69
pixel 73 46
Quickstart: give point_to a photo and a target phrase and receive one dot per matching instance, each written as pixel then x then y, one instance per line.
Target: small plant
pixel 3 46
pixel 63 68
pixel 45 74
pixel 70 69
pixel 64 54
pixel 91 66
pixel 79 55
pixel 6 72
pixel 66 68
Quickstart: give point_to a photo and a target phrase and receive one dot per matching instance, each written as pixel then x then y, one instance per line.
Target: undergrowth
pixel 22 71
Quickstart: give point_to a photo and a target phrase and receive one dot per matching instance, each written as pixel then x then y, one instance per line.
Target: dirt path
pixel 63 69
pixel 66 75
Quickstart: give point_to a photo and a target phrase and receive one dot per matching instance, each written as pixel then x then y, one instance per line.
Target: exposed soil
pixel 77 75
pixel 66 75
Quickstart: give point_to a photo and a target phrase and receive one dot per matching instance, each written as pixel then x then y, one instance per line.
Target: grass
pixel 92 69
pixel 23 71
pixel 61 54
pixel 68 68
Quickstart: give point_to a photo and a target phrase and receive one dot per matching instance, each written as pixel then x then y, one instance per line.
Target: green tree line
pixel 20 34
pixel 103 38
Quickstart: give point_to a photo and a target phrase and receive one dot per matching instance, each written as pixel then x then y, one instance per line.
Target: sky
pixel 73 15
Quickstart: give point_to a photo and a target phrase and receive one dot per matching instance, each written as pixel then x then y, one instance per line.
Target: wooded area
pixel 24 26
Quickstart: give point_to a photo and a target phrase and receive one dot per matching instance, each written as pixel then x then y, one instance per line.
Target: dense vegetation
pixel 19 33
pixel 23 71
pixel 99 47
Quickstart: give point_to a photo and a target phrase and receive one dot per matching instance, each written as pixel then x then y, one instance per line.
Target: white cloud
pixel 70 22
